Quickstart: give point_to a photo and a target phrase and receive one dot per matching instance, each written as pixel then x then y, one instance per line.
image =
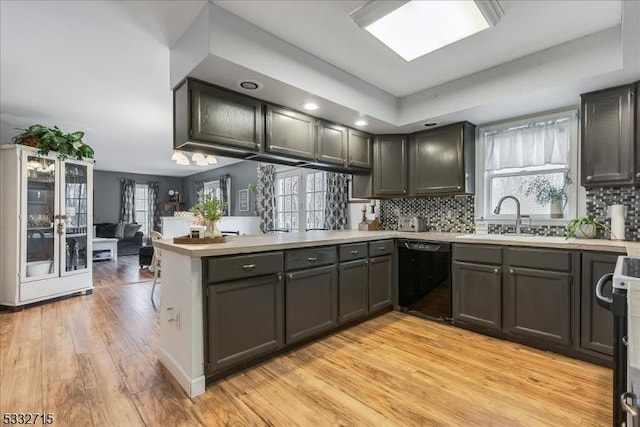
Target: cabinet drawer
pixel 380 247
pixel 543 259
pixel 353 251
pixel 478 254
pixel 313 257
pixel 221 269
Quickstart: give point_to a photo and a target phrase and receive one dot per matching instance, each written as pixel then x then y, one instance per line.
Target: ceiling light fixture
pixel 247 84
pixel 310 106
pixel 199 159
pixel 361 122
pixel 414 28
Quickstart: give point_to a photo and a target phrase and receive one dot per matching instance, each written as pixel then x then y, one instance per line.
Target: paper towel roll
pixel 617 222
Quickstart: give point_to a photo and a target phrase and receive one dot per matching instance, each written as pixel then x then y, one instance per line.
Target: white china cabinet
pixel 46 218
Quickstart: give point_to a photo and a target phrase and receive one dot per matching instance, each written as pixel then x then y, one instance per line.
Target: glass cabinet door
pixel 75 245
pixel 41 203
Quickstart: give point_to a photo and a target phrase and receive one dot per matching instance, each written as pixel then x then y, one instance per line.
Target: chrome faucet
pixel 518 217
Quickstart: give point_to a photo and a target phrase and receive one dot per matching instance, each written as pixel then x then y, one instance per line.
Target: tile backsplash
pixel 598 199
pixel 456 213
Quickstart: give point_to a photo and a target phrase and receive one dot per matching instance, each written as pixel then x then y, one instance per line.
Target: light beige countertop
pixel 282 241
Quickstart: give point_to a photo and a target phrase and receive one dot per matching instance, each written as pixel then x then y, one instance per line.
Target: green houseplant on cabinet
pixel 45 139
pixel 208 212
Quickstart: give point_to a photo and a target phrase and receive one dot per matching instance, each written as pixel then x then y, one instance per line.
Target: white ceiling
pixel 104 67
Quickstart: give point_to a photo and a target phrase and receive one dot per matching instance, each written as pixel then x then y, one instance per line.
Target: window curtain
pixel 266 196
pixel 127 200
pixel 154 214
pixel 538 144
pixel 199 188
pixel 336 205
pixel 224 193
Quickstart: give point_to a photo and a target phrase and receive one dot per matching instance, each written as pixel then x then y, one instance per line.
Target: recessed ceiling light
pixel 419 27
pixel 430 124
pixel 247 84
pixel 361 123
pixel 311 106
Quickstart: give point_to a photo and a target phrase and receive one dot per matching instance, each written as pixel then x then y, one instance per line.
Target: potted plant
pixel 53 139
pixel 208 212
pixel 583 228
pixel 548 193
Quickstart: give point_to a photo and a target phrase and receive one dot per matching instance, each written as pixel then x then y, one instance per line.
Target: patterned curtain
pixel 127 200
pixel 336 205
pixel 224 191
pixel 154 214
pixel 266 196
pixel 199 183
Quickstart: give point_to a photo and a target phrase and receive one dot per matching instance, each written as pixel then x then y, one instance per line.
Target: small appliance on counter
pixel 625 286
pixel 412 223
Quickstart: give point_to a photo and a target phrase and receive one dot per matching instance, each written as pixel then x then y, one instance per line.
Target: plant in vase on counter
pixel 548 193
pixel 208 212
pixel 584 228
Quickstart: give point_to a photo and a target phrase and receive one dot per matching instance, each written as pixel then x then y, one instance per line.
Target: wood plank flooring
pixel 91 361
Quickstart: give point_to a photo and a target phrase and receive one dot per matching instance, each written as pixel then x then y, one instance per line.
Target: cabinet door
pixel 359 149
pixel 311 302
pixel 608 137
pixel 390 170
pixel 477 294
pixel 380 282
pixel 353 290
pixel 332 143
pixel 437 161
pixel 224 117
pixel 596 323
pixel 245 320
pixel 362 186
pixel 637 130
pixel 290 133
pixel 538 304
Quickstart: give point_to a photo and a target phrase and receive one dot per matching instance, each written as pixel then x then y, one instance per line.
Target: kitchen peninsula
pixel 224 306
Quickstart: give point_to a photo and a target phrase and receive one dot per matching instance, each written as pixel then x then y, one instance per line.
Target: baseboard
pixel 193 387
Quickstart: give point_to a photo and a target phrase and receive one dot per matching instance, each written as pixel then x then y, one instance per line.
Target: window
pixel 527 154
pixel 300 199
pixel 142 208
pixel 213 187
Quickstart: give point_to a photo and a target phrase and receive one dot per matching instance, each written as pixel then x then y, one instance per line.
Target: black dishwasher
pixel 424 279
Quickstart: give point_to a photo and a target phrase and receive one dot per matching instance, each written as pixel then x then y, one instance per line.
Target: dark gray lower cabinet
pixel 311 302
pixel 477 294
pixel 538 304
pixel 380 282
pixel 596 332
pixel 245 320
pixel 353 290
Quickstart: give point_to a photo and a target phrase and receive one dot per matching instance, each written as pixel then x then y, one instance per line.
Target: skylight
pixel 419 27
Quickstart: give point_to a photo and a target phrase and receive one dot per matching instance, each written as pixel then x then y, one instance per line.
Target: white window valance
pixel 537 144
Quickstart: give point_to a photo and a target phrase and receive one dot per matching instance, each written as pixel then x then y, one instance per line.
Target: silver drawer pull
pixel 625 341
pixel 511 271
pixel 354 252
pixel 589 178
pixel 496 271
pixel 382 248
pixel 312 259
pixel 248 266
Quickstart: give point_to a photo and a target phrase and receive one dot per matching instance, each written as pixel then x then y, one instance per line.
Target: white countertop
pixel 282 241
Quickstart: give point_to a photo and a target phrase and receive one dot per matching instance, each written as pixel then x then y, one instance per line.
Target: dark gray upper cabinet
pixel 290 133
pixel 332 143
pixel 538 304
pixel 311 302
pixel 380 282
pixel 608 133
pixel 442 160
pixel 359 152
pixel 245 320
pixel 353 290
pixel 477 294
pixel 390 165
pixel 596 332
pixel 223 117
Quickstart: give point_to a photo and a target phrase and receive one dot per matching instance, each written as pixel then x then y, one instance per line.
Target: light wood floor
pixel 91 361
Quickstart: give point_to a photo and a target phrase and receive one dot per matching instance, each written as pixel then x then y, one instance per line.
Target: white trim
pixel 192 386
pixel 576 195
